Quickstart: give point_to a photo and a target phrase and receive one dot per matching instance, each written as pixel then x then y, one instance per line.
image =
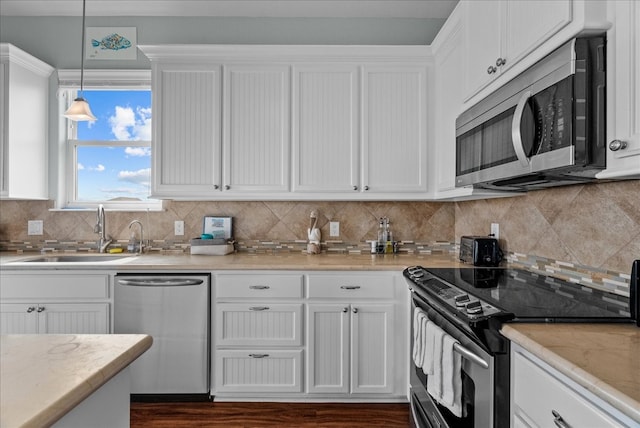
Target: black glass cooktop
pixel 533 297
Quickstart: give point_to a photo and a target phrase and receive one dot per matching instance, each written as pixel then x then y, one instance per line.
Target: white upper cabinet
pixel 289 122
pixel 623 91
pixel 186 146
pixel 325 128
pixel 24 102
pixel 503 38
pixel 256 128
pixel 394 124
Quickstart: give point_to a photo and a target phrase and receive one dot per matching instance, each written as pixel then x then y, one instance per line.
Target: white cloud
pixel 141 176
pixel 127 125
pixel 98 168
pixel 80 166
pixel 138 151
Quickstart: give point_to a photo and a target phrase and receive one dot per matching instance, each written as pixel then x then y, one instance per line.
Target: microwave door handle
pixel 516 135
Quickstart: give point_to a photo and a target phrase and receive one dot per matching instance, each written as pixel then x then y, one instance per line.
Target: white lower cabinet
pixel 54 302
pixel 350 348
pixel 330 336
pixel 541 396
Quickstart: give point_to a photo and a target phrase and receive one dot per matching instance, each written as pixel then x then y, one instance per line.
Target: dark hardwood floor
pixel 249 415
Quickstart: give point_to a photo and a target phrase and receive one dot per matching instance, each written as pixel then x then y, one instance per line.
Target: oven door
pixel 477 380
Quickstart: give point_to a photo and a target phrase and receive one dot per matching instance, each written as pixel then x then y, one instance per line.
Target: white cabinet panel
pixel 187 129
pixel 348 287
pixel 256 371
pixel 24 109
pixel 325 129
pixel 18 318
pixel 394 129
pixel 623 90
pixel 258 286
pixel 54 318
pixel 249 324
pixel 256 128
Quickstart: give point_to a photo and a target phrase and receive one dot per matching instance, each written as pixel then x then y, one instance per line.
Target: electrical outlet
pixel 334 228
pixel 35 227
pixel 495 230
pixel 178 228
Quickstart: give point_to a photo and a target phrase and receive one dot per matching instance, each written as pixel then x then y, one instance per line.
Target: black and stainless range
pixel 470 305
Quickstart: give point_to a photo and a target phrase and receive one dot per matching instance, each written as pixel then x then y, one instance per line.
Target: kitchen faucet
pixel 100 227
pixel 140 246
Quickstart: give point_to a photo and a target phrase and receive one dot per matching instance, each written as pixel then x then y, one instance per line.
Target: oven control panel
pixel 456 299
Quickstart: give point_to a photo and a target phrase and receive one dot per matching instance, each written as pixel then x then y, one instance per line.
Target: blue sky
pixel 106 173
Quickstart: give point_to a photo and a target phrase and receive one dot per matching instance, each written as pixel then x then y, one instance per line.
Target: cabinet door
pixel 529 23
pixel 187 132
pixel 73 318
pixel 325 129
pixel 256 128
pixel 328 348
pixel 394 129
pixel 482 42
pixel 623 90
pixel 372 348
pixel 18 318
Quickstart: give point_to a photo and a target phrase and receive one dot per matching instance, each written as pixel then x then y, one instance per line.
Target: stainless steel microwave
pixel 544 128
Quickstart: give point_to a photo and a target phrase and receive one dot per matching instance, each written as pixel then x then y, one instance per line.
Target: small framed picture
pixel 218 227
pixel 111 43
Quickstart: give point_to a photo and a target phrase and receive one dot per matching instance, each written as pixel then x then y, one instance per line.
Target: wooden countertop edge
pixel 600 388
pixel 75 396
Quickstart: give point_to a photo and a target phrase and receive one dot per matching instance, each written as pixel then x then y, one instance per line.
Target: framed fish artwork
pixel 111 43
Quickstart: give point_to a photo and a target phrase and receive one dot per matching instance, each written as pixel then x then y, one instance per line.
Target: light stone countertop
pixel 603 358
pixel 43 377
pixel 240 261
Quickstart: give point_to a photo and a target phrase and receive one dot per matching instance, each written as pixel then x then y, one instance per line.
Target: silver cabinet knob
pixel 558 420
pixel 366 188
pixel 215 186
pixel 355 187
pixel 30 309
pixel 40 308
pixel 227 187
pixel 616 145
pixel 345 310
pixel 354 310
pixel 491 69
pixel 500 62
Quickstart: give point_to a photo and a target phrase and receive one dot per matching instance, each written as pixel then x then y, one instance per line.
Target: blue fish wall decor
pixel 112 42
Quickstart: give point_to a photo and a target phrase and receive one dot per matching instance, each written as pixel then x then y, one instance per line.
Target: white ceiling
pixel 243 8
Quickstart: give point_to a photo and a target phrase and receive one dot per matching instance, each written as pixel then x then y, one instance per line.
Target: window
pixel 108 161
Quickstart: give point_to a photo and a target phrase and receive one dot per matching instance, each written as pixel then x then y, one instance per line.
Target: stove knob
pixel 461 300
pixel 474 307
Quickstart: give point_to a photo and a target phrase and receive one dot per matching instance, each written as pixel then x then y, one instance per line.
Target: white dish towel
pixel 442 365
pixel 420 322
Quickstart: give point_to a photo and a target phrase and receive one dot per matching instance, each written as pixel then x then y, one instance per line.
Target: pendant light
pixel 79 109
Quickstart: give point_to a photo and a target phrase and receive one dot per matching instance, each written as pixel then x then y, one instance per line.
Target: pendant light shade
pixel 79 109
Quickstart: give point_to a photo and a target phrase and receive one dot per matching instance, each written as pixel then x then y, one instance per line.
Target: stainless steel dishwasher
pixel 174 309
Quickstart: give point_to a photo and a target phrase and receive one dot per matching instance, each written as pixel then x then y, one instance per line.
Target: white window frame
pixel 69 84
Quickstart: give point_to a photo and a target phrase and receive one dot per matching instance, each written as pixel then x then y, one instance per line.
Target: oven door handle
pixel 464 352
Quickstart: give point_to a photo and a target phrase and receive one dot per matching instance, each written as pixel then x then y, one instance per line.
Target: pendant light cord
pixel 84 7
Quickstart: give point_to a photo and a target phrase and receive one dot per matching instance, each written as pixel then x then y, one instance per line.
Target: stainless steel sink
pixel 92 258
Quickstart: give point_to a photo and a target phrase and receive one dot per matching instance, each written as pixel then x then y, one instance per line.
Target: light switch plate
pixel 35 227
pixel 495 230
pixel 334 228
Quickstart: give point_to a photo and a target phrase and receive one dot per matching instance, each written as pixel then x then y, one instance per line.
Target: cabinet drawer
pixel 351 286
pixel 536 393
pixel 259 286
pixel 249 324
pixel 54 286
pixel 258 371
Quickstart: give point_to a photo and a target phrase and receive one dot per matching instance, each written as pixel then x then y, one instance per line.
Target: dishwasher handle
pixel 160 282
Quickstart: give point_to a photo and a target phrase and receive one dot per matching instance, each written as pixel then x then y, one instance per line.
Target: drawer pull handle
pixel 259 308
pixel 258 355
pixel 30 309
pixel 259 287
pixel 557 419
pixel 350 287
